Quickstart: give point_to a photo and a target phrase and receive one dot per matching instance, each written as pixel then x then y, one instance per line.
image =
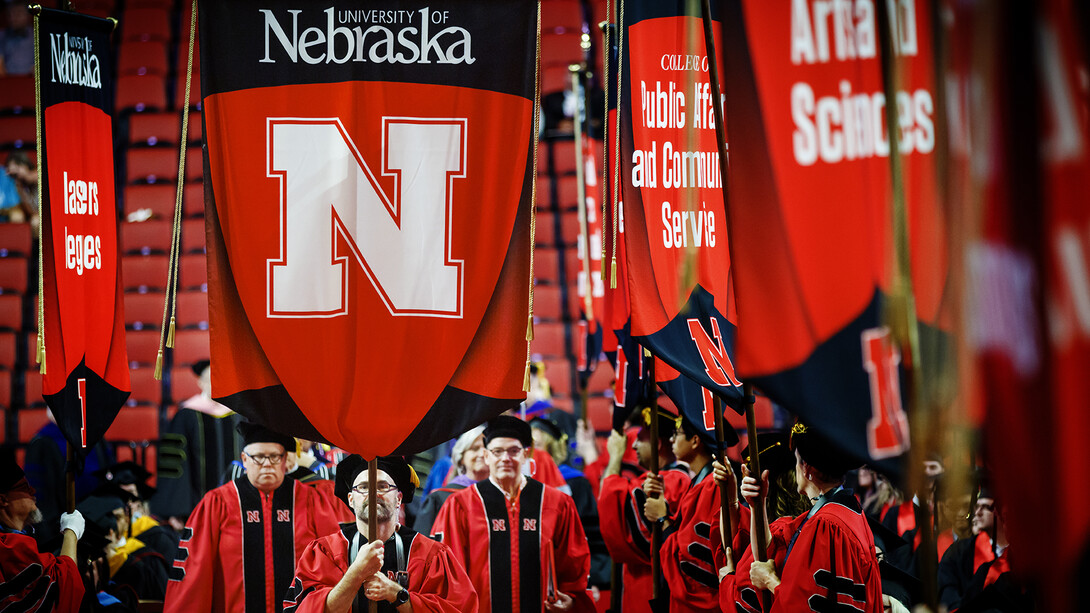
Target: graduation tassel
pixel 170 333
pixel 158 374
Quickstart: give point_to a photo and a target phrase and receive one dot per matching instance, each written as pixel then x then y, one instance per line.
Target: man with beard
pixel 30 580
pixel 400 569
pixel 530 530
pixel 240 545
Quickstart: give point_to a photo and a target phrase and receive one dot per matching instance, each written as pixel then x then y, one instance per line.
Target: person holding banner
pixel 687 563
pixel 29 578
pixel 240 545
pixel 620 504
pixel 402 570
pixel 829 558
pixel 545 567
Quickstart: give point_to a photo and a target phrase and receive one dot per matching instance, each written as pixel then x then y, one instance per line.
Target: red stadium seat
pixel 30 421
pixel 191 346
pixel 193 272
pixel 547 303
pixel 18 131
pixel 545 229
pixel 193 200
pixel 558 373
pixel 144 311
pixel 17 95
pixel 569 228
pixel 145 389
pixel 544 194
pixel 11 311
pixel 142 273
pixel 195 134
pixel 193 235
pixel 558 16
pixel 142 57
pixel 14 272
pixel 145 237
pixel 33 389
pixel 542 161
pixel 5 394
pixel 194 165
pixel 548 340
pixel 547 265
pixel 144 24
pixel 192 309
pixel 600 412
pixel 142 346
pixel 183 383
pixel 567 193
pixel 563 157
pixel 135 424
pixel 15 239
pixel 572 265
pixel 158 197
pixel 152 129
pixel 601 379
pixel 141 93
pixel 151 165
pixel 555 79
pixel 561 49
pixel 7 350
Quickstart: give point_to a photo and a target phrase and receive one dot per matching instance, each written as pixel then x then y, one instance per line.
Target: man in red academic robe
pixel 402 570
pixel 240 545
pixel 32 581
pixel 626 531
pixel 687 561
pixel 530 529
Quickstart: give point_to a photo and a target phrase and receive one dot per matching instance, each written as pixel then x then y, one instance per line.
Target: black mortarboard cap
pixel 256 433
pixel 509 427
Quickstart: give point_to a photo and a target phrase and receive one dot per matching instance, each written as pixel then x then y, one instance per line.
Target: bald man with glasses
pixel 520 540
pixel 242 541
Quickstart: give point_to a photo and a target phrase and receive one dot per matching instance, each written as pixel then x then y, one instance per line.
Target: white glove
pixel 73 521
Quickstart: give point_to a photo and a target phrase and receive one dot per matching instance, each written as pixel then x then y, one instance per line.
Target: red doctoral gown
pixel 832 564
pixel 627 532
pixel 436 580
pixel 687 562
pixel 239 548
pixel 480 524
pixel 32 581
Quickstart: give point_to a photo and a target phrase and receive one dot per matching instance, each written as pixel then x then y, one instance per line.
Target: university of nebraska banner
pixel 87 375
pixel 809 206
pixel 675 231
pixel 368 220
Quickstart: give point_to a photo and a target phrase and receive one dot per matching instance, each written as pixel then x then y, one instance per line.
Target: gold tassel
pixel 530 328
pixel 158 374
pixel 526 378
pixel 170 333
pixel 613 273
pixel 41 356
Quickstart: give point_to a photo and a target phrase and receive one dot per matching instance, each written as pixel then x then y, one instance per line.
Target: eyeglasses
pixel 271 459
pixel 381 488
pixel 510 452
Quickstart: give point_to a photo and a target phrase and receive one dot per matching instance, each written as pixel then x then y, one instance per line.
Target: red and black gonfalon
pixel 86 379
pixel 675 256
pixel 368 214
pixel 812 224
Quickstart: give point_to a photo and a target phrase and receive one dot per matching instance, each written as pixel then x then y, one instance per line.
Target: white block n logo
pixel 402 244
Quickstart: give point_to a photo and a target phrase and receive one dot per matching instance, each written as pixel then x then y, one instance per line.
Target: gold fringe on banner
pixel 40 351
pixel 533 199
pixel 617 143
pixel 166 331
